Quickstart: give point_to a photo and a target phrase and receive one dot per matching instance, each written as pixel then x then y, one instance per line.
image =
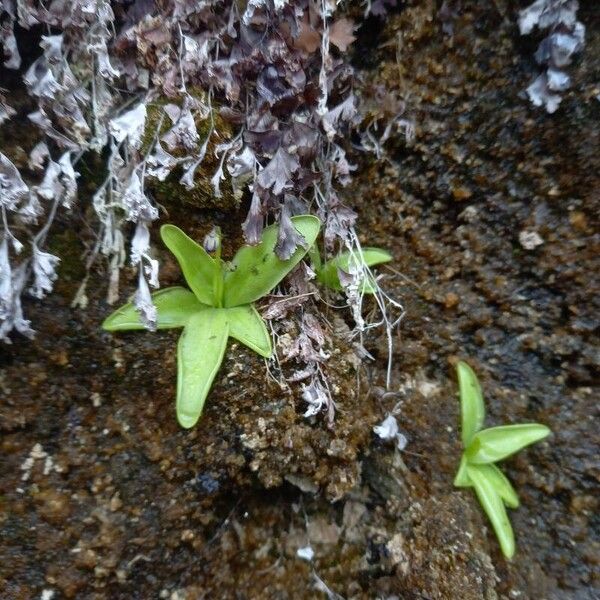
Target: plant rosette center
pixel 218 304
pixel 483 448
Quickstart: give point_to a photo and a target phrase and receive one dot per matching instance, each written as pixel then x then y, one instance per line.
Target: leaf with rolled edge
pixel 199 268
pixel 461 478
pixel 492 445
pixel 328 273
pixel 199 355
pixel 256 270
pixel 501 484
pixel 493 505
pixel 472 409
pixel 248 327
pixel 174 305
pixel 496 477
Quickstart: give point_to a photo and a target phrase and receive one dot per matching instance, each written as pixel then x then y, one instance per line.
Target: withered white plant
pixel 565 38
pixel 146 86
pixel 275 70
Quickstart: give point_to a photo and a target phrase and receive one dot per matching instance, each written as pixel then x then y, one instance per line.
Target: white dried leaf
pixel 345 111
pixel 541 95
pixel 6 290
pixel 151 270
pixel 38 156
pixel 9 43
pixel 187 179
pixel 50 187
pixel 548 13
pixel 241 164
pixel 315 396
pixel 105 67
pixel 216 180
pixel 140 244
pixel 130 125
pixel 68 179
pixel 12 186
pixel 144 305
pixel 160 163
pixel 183 133
pixel 41 81
pixel 32 209
pixel 6 111
pixel 135 202
pixel 558 81
pixel 306 553
pixel 387 429
pixel 52 46
pixel 44 272
pixel 11 313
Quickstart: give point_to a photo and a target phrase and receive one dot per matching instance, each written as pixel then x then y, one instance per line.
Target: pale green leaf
pixel 472 409
pixel 248 327
pixel 256 270
pixel 328 273
pixel 492 445
pixel 200 270
pixel 461 478
pixel 174 305
pixel 496 477
pixel 501 484
pixel 199 355
pixel 493 505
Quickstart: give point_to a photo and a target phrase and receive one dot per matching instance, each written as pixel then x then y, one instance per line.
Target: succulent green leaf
pixel 493 505
pixel 248 327
pixel 200 270
pixel 472 408
pixel 462 479
pixel 496 477
pixel 199 355
pixel 328 273
pixel 174 305
pixel 497 443
pixel 492 445
pixel 501 484
pixel 256 270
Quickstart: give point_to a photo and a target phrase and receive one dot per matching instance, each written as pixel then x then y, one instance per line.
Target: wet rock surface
pixel 103 496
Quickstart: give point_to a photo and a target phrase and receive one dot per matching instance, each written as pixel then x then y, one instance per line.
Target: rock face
pixel 102 496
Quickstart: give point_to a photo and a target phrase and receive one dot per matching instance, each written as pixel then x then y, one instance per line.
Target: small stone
pixel 86 559
pixel 578 220
pixel 451 300
pixel 530 240
pixel 306 553
pixel 54 506
pixel 187 535
pixel 461 193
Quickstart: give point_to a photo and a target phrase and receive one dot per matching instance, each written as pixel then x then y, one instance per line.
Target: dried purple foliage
pixel 274 69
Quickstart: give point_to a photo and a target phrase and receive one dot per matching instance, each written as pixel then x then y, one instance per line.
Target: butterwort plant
pixel 482 449
pixel 347 265
pixel 218 305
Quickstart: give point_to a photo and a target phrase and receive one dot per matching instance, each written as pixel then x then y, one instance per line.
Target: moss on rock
pixel 171 192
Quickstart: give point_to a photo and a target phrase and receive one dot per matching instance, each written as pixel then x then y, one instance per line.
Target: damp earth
pixel 491 214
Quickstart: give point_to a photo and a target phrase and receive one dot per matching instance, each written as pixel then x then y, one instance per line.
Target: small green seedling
pixel 328 273
pixel 220 305
pixel 484 447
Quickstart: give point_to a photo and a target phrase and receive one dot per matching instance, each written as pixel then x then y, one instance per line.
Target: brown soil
pixel 103 496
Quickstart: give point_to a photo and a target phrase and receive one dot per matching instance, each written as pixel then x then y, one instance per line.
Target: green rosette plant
pixel 483 448
pixel 218 305
pixel 328 272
